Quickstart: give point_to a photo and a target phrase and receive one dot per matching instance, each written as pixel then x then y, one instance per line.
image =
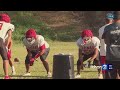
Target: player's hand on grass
pixel 91 61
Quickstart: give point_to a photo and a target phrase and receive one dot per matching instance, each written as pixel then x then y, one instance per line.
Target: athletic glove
pixel 32 61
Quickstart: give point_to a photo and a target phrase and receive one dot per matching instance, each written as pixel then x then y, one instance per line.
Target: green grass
pixel 38 71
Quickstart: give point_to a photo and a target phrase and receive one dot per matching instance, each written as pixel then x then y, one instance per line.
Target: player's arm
pixel 105 36
pixel 9 39
pixel 80 49
pixel 10 44
pixel 80 57
pixel 96 49
pixel 41 52
pixel 41 48
pixel 100 35
pixel 95 54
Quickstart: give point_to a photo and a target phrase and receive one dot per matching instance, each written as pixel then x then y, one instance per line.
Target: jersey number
pixel 1 24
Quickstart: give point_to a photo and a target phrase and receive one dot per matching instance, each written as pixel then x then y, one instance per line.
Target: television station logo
pixel 107 67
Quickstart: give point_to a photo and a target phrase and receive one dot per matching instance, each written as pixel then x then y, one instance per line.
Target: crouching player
pixel 36 47
pixel 88 49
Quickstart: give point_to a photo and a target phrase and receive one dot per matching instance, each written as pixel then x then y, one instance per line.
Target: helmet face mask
pixel 87 40
pixel 30 40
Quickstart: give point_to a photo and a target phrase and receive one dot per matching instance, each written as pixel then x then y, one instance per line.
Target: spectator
pixel 111 37
pixel 109 20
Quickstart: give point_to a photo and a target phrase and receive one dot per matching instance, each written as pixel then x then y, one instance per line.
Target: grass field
pixel 38 71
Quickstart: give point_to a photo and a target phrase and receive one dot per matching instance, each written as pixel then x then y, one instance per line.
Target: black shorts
pixel 112 74
pixel 3 50
pixel 42 57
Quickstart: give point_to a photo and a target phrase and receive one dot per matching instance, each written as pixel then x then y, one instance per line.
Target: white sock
pixel 13 68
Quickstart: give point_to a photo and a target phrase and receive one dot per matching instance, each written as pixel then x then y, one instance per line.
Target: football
pixel 16 60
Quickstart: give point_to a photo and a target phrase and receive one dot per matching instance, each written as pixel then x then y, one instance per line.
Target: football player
pixel 6 29
pixel 36 47
pixel 88 49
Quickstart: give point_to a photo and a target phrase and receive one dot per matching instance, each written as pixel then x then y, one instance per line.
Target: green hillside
pixel 56 25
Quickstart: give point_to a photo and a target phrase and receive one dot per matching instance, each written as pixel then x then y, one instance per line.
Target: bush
pixel 73 23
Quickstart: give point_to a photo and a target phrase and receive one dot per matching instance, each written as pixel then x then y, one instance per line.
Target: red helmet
pixel 5 17
pixel 87 33
pixel 31 33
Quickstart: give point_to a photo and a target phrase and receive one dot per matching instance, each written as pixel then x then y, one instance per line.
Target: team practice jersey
pixel 88 48
pixel 4 28
pixel 103 45
pixel 39 41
